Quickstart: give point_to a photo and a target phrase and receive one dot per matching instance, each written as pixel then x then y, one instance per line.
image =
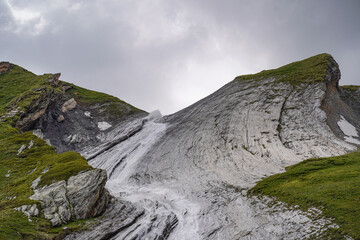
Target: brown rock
pixel 55 79
pixel 66 87
pixel 4 67
pixel 60 118
pixel 68 105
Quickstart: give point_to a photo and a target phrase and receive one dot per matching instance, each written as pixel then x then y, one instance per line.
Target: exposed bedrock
pixel 190 171
pixel 186 175
pixel 80 197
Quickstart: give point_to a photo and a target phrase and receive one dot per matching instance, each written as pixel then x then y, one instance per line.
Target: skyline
pixel 167 55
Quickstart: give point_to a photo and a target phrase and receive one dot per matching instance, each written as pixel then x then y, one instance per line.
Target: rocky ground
pixel 187 175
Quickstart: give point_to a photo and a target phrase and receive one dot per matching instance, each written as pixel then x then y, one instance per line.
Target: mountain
pixel 195 174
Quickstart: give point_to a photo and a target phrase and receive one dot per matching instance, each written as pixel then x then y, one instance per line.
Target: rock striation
pixel 187 175
pixel 80 197
pixel 196 165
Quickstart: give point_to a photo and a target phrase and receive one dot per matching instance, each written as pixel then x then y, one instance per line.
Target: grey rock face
pixel 72 127
pixel 186 176
pixel 82 196
pixel 29 210
pixel 87 194
pixel 190 171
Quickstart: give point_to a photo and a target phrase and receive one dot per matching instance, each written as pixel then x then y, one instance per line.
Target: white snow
pixel 103 126
pixel 87 114
pixel 349 131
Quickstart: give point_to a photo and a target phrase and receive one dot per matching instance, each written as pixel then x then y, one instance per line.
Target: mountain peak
pixel 318 68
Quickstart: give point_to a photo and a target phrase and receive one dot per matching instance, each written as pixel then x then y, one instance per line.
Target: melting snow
pixel 103 126
pixel 349 131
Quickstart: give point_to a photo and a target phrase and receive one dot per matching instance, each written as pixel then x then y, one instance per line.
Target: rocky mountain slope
pixel 187 175
pixel 41 187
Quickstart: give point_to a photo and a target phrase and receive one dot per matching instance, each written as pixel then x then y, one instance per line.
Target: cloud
pixel 23 20
pixel 167 54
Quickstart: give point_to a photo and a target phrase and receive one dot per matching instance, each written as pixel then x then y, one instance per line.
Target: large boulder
pixel 82 196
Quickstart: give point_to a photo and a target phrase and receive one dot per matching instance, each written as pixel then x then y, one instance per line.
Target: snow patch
pixel 103 126
pixel 349 131
pixel 87 114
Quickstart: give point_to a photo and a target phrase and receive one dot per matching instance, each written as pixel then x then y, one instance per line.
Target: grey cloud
pixel 154 55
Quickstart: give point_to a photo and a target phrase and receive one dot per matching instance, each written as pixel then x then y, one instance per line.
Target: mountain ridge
pixel 186 175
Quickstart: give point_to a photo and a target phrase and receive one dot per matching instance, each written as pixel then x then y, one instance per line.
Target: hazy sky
pixel 167 54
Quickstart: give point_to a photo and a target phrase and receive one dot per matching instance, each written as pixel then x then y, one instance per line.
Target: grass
pixel 18 81
pixel 19 90
pixel 310 70
pixel 112 106
pixel 331 184
pixel 350 87
pixel 16 175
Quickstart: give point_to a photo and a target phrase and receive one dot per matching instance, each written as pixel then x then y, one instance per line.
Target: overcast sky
pixel 167 54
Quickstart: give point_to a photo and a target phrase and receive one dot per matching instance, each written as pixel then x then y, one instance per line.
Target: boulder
pixel 82 196
pixel 4 67
pixel 68 105
pixel 60 118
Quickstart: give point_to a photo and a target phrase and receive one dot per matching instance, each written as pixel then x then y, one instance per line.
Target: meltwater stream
pixel 167 212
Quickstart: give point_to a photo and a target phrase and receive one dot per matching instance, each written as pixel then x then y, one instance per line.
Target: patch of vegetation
pixel 17 81
pixel 310 70
pixel 330 184
pixel 19 89
pixel 350 87
pixel 18 171
pixel 112 105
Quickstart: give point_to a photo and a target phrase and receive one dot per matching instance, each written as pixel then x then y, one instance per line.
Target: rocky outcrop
pixel 4 67
pixel 80 197
pixel 71 126
pixel 37 109
pixel 54 80
pixel 68 105
pixel 119 215
pixel 198 163
pixel 186 176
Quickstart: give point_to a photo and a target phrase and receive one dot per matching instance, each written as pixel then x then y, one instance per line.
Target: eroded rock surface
pixel 82 196
pixel 190 171
pixel 186 176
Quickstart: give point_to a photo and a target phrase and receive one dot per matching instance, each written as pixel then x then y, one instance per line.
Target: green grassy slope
pixel 310 70
pixel 19 90
pixel 331 184
pixel 113 107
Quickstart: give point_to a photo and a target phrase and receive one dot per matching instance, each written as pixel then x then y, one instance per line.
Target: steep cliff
pixel 190 171
pixel 188 175
pixel 41 188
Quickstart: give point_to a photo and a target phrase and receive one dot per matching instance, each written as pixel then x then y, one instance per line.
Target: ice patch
pixel 103 126
pixel 349 131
